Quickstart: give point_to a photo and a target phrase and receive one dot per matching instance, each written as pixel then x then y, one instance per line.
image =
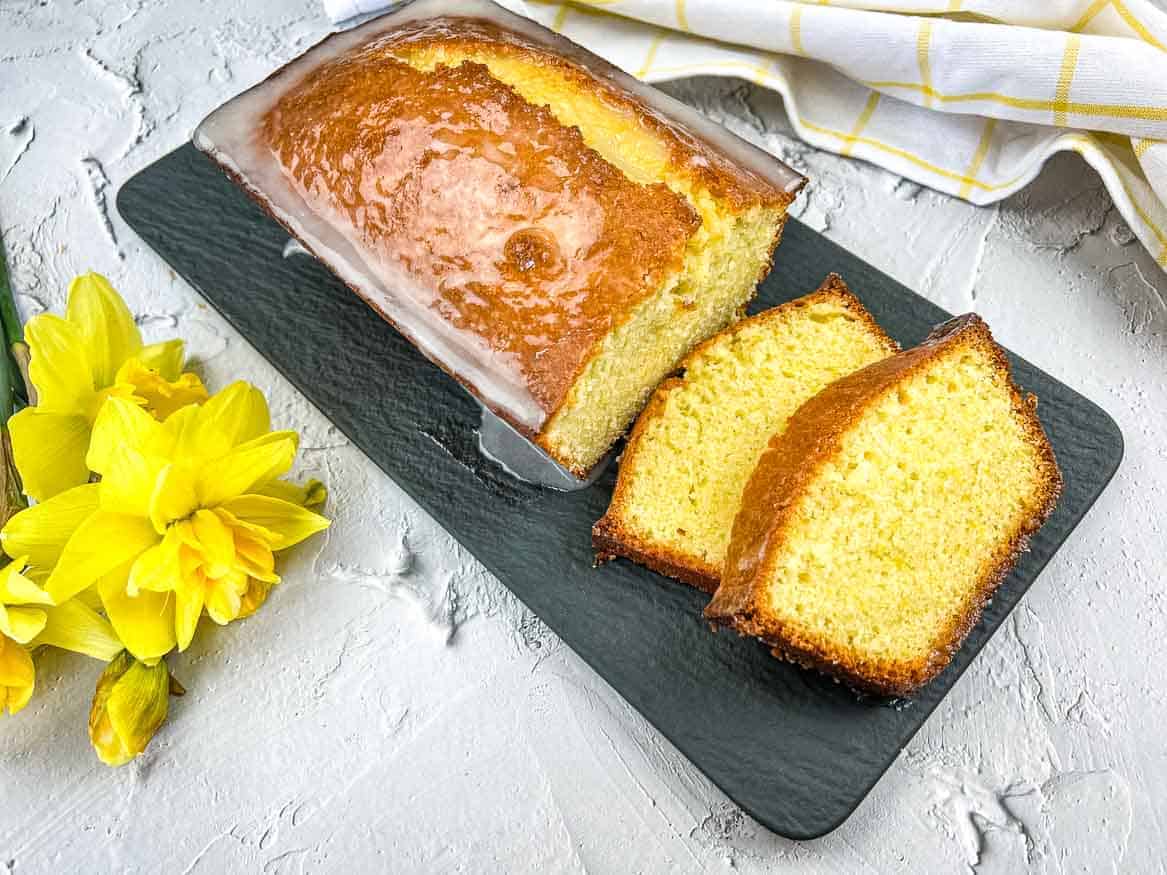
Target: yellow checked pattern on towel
pixel 969 97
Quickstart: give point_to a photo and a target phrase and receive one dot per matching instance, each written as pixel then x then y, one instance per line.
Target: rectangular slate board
pixel 793 749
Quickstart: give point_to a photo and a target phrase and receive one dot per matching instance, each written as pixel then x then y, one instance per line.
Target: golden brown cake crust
pixel 611 536
pixel 535 244
pixel 702 162
pixel 791 462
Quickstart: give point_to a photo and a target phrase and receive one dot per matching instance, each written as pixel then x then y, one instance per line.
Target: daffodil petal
pixel 77 627
pixel 16 589
pixel 102 543
pixel 267 536
pixel 91 598
pixel 157 569
pixel 187 612
pixel 49 451
pixel 163 399
pixel 144 623
pixel 59 365
pixel 290 521
pixel 40 532
pixel 175 496
pixel 14 669
pixel 130 485
pixel 249 464
pixel 21 624
pixel 106 324
pixel 215 539
pixel 166 358
pixel 160 396
pixel 15 698
pixel 225 598
pixel 178 430
pixel 229 418
pixel 310 494
pixel 256 595
pixel 17 676
pixel 254 556
pixel 120 424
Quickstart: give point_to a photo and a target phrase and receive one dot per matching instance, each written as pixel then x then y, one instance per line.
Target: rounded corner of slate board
pixel 1113 440
pixel 794 752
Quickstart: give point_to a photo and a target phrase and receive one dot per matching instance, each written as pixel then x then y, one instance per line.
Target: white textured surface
pixel 394 708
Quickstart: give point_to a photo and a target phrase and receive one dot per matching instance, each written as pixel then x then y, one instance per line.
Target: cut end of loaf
pixel 874 530
pixel 723 263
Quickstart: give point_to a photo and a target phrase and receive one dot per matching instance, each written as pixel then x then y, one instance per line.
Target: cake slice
pixel 877 525
pixel 551 232
pixel 693 449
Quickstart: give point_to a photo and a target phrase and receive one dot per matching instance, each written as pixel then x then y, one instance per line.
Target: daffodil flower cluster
pixel 157 504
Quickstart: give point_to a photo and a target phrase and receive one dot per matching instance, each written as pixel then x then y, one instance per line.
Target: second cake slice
pixel 693 449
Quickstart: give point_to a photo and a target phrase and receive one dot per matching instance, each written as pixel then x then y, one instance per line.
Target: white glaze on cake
pixel 234 137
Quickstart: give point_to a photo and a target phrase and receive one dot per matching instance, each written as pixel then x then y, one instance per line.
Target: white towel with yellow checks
pixel 969 98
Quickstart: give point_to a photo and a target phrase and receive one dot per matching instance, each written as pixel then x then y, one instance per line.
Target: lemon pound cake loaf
pixel 552 233
pixel 695 446
pixel 877 525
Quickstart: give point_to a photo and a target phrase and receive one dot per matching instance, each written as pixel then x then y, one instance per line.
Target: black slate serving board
pixel 793 749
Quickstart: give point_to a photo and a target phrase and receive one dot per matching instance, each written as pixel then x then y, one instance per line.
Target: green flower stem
pixel 9 376
pixel 11 381
pixel 11 390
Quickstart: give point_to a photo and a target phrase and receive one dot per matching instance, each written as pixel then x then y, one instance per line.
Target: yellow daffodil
pixel 186 518
pixel 28 618
pixel 93 353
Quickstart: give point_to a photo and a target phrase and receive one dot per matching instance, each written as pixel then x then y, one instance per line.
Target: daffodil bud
pixel 129 706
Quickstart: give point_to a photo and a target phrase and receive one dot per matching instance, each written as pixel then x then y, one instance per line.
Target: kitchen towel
pixel 969 97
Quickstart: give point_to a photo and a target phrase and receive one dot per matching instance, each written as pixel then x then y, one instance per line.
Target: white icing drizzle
pixel 295 247
pixel 520 458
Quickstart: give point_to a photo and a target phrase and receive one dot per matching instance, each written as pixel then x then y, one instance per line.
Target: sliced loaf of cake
pixel 879 522
pixel 551 232
pixel 693 449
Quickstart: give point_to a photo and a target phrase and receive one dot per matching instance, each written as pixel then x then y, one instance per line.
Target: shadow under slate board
pixel 793 749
